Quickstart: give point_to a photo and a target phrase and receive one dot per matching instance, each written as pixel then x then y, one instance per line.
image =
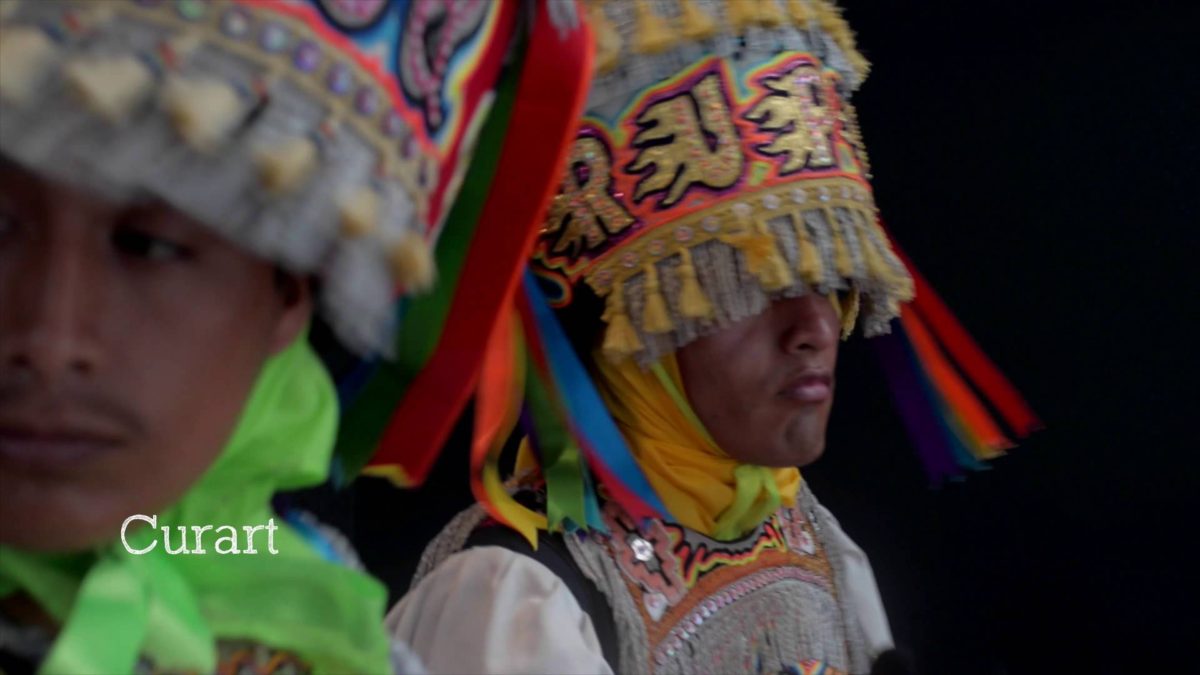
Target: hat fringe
pixel 620 339
pixel 655 317
pixel 692 302
pixel 828 240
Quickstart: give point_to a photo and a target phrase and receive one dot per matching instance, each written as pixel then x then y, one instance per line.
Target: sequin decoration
pixel 586 212
pixel 678 147
pixel 366 101
pixel 392 124
pixel 235 22
pixel 191 10
pixel 273 38
pixel 339 78
pixel 802 126
pixel 642 550
pixel 307 56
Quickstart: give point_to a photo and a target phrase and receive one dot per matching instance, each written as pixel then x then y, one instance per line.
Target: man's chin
pixel 49 525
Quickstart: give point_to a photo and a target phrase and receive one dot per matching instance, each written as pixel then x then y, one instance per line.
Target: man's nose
pixel 49 298
pixel 810 323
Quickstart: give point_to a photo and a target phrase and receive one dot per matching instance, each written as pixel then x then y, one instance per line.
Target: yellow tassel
pixel 412 263
pixel 773 270
pixel 741 14
pixel 692 302
pixel 608 40
pixel 359 213
pixel 841 252
pixel 830 19
pixel 763 258
pixel 651 34
pixel 285 166
pixel 880 270
pixel 800 13
pixel 25 54
pixel 848 305
pixel 655 317
pixel 204 112
pixel 808 258
pixel 620 339
pixel 770 14
pixel 111 88
pixel 697 24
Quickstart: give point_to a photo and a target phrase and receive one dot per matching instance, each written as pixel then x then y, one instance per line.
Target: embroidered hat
pixel 330 136
pixel 718 165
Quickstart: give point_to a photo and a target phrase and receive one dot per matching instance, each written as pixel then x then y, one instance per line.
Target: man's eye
pixel 142 245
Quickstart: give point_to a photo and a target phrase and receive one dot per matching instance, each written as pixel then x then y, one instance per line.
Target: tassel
pixel 110 88
pixel 620 339
pixel 829 18
pixel 692 302
pixel 899 284
pixel 800 13
pixel 808 258
pixel 359 213
pixel 849 305
pixel 770 14
pixel 412 263
pixel 204 112
pixel 283 167
pixel 841 252
pixel 25 54
pixel 655 317
pixel 651 34
pixel 697 24
pixel 741 14
pixel 608 40
pixel 757 244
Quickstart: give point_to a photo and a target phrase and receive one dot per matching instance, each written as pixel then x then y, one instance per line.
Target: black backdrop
pixel 1038 161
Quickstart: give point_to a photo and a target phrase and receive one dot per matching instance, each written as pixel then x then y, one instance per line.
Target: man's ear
pixel 296 295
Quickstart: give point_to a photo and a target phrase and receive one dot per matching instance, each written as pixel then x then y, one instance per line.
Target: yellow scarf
pixel 704 489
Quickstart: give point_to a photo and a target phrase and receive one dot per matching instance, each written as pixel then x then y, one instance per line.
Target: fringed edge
pixel 839 246
pixel 620 339
pixel 654 33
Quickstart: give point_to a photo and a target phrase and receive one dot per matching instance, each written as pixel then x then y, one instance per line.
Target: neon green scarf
pixel 115 607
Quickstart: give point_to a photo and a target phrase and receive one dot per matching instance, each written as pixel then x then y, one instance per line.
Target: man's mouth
pixel 809 388
pixel 52 447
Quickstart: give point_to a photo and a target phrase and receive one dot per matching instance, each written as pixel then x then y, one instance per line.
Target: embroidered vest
pixel 685 603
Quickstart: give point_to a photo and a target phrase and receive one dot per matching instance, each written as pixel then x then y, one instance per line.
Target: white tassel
pixel 204 112
pixel 360 213
pixel 285 166
pixel 110 88
pixel 25 55
pixel 412 263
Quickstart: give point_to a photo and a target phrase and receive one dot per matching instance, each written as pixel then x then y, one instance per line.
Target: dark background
pixel 1038 162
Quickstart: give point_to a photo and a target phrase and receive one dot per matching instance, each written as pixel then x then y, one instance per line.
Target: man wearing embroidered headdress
pixel 183 187
pixel 713 239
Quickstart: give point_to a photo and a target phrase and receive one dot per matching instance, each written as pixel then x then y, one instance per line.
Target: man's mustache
pixel 66 404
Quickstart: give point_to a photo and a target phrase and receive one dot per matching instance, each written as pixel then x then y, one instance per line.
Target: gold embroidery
pixel 585 212
pixel 801 124
pixel 685 140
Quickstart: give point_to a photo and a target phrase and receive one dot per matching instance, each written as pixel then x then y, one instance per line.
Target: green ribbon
pixel 756 497
pixel 115 607
pixel 562 462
